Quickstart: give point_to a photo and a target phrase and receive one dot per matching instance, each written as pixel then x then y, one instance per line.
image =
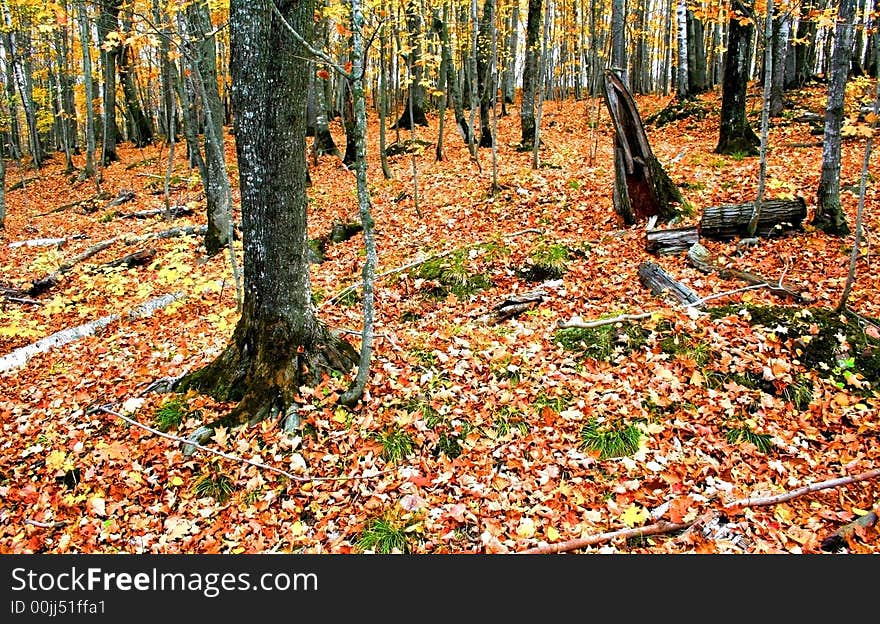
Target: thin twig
pixel 250 462
pixel 814 487
pixel 46 525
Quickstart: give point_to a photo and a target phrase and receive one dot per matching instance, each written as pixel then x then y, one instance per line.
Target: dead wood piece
pixel 21 184
pixel 175 211
pixel 671 241
pixel 838 539
pixel 80 202
pixel 124 196
pixel 729 221
pixel 642 187
pixel 138 258
pixel 38 287
pixel 653 277
pixel 702 260
pixel 22 355
pixel 513 305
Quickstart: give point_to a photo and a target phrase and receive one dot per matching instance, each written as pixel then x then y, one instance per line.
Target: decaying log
pixel 38 287
pixel 138 258
pixel 176 211
pixel 838 539
pixel 124 196
pixel 701 259
pixel 653 277
pixel 514 305
pixel 671 241
pixel 641 188
pixel 730 221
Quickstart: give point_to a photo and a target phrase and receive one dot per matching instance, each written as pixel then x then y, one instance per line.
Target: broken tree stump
pixel 671 241
pixel 661 283
pixel 641 186
pixel 730 221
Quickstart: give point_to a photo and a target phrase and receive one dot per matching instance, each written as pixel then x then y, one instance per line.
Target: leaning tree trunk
pixel 640 179
pixel 829 216
pixel 278 344
pixel 736 135
pixel 216 183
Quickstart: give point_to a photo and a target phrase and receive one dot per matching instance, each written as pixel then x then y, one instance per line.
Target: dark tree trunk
pixel 452 87
pixel 485 80
pixel 642 183
pixel 509 81
pixel 416 90
pixel 348 122
pixel 278 344
pixel 696 55
pixel 141 127
pixel 829 216
pixel 108 21
pixel 736 135
pixel 530 75
pixel 805 46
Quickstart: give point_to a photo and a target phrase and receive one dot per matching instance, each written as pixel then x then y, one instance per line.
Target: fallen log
pixel 671 241
pixel 138 258
pixel 702 259
pixel 38 287
pixel 21 184
pixel 22 355
pixel 176 211
pixel 729 221
pixel 514 305
pixel 653 277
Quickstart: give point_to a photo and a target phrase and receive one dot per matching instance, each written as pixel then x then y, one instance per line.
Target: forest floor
pixel 476 435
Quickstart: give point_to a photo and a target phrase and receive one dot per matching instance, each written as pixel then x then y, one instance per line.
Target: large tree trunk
pixel 278 344
pixel 485 79
pixel 805 46
pixel 736 135
pixel 108 21
pixel 641 183
pixel 441 27
pixel 416 90
pixel 530 75
pixel 141 133
pixel 697 79
pixel 829 215
pixel 781 32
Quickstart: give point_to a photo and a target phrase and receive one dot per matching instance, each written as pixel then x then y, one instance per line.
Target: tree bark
pixel 640 180
pixel 279 344
pixel 416 90
pixel 108 21
pixel 485 80
pixel 736 135
pixel 530 75
pixel 729 221
pixel 829 216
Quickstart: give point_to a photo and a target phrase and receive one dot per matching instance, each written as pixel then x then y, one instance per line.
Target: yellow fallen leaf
pixel 176 481
pixel 526 528
pixel 296 529
pixel 634 515
pixel 552 534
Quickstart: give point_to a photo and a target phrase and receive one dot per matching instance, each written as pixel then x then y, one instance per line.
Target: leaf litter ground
pixel 470 438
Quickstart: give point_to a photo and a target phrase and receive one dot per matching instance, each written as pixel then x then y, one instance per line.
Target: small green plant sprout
pixel 386 535
pixel 213 483
pixel 452 275
pixel 547 262
pixel 170 414
pixel 396 444
pixel 612 440
pixel 744 433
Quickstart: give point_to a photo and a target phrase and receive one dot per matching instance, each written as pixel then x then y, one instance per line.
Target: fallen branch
pixel 235 458
pixel 138 258
pixel 592 540
pixel 38 287
pixel 176 211
pixel 45 242
pixel 78 202
pixel 46 525
pixel 20 356
pixel 701 259
pixel 660 282
pixel 669 527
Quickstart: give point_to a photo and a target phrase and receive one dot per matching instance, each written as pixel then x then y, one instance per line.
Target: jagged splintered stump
pixel 778 216
pixel 642 188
